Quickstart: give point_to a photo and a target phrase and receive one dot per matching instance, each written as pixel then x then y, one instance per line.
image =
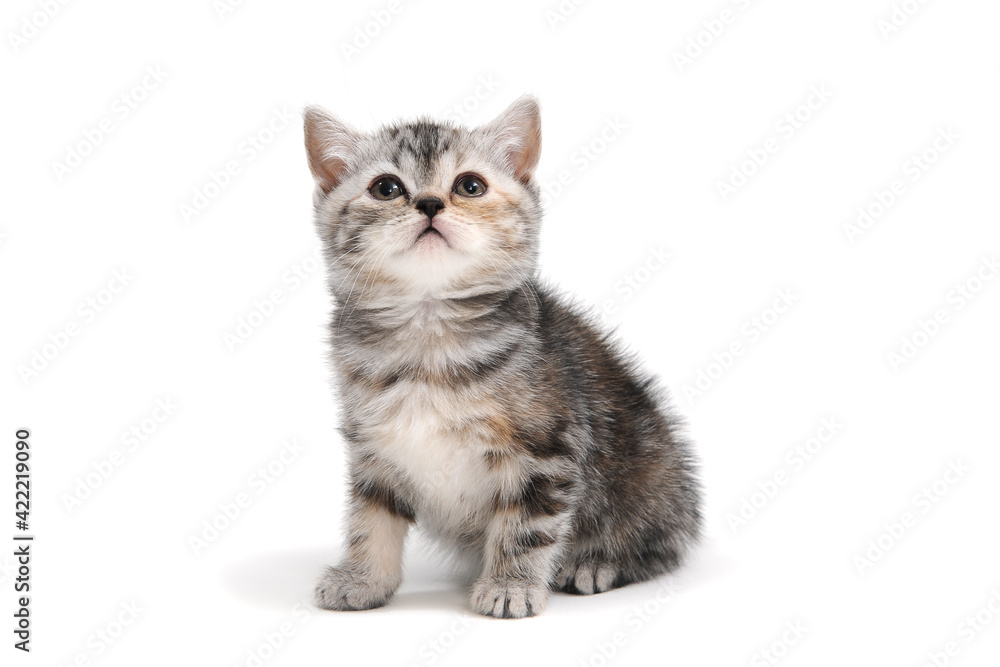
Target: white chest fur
pixel 420 432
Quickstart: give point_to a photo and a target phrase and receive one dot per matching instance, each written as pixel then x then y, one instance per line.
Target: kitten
pixel 476 402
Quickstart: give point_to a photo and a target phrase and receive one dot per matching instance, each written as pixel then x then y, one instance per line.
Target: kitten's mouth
pixel 431 233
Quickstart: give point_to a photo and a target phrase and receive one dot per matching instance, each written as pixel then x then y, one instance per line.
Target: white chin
pixel 431 263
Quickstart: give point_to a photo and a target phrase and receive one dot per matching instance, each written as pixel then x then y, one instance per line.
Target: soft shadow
pixel 705 564
pixel 277 579
pixel 281 579
pixel 443 599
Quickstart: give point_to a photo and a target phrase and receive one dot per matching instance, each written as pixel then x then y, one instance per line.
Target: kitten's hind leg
pixel 372 570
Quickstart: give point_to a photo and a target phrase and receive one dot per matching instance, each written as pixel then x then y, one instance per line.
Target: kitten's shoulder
pixel 563 315
pixel 579 336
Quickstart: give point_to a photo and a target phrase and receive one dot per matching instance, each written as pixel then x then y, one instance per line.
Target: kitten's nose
pixel 429 206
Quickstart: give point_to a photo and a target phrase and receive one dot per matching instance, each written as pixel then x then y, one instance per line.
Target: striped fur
pixel 477 402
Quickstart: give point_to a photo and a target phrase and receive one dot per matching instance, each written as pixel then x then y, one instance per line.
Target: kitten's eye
pixel 386 188
pixel 470 185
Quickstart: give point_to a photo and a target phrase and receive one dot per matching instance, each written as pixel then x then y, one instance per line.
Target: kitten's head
pixel 426 209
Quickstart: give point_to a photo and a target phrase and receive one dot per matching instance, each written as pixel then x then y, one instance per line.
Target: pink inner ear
pixel 327 171
pixel 326 141
pixel 524 158
pixel 519 128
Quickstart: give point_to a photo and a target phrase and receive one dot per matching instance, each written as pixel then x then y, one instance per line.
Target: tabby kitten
pixel 476 402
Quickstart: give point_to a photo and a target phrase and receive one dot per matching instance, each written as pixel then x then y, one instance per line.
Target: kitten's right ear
pixel 518 131
pixel 329 145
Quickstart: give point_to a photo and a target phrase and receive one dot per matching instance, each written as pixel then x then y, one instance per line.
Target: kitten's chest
pixel 427 433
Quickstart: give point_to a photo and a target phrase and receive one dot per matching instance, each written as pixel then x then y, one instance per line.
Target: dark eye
pixel 386 187
pixel 470 185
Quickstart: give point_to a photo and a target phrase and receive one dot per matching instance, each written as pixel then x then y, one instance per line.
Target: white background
pixel 672 132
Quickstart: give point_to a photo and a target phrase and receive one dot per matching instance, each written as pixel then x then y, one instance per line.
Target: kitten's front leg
pixel 372 570
pixel 523 543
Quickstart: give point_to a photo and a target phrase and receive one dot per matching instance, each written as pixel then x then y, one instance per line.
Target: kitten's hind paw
pixel 507 598
pixel 586 578
pixel 343 590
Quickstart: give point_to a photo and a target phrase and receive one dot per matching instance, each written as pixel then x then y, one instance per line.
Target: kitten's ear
pixel 329 145
pixel 518 130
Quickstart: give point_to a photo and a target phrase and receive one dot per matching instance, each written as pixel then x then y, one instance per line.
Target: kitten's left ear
pixel 518 130
pixel 330 145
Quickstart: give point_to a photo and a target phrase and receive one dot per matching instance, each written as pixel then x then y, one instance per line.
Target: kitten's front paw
pixel 508 598
pixel 344 590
